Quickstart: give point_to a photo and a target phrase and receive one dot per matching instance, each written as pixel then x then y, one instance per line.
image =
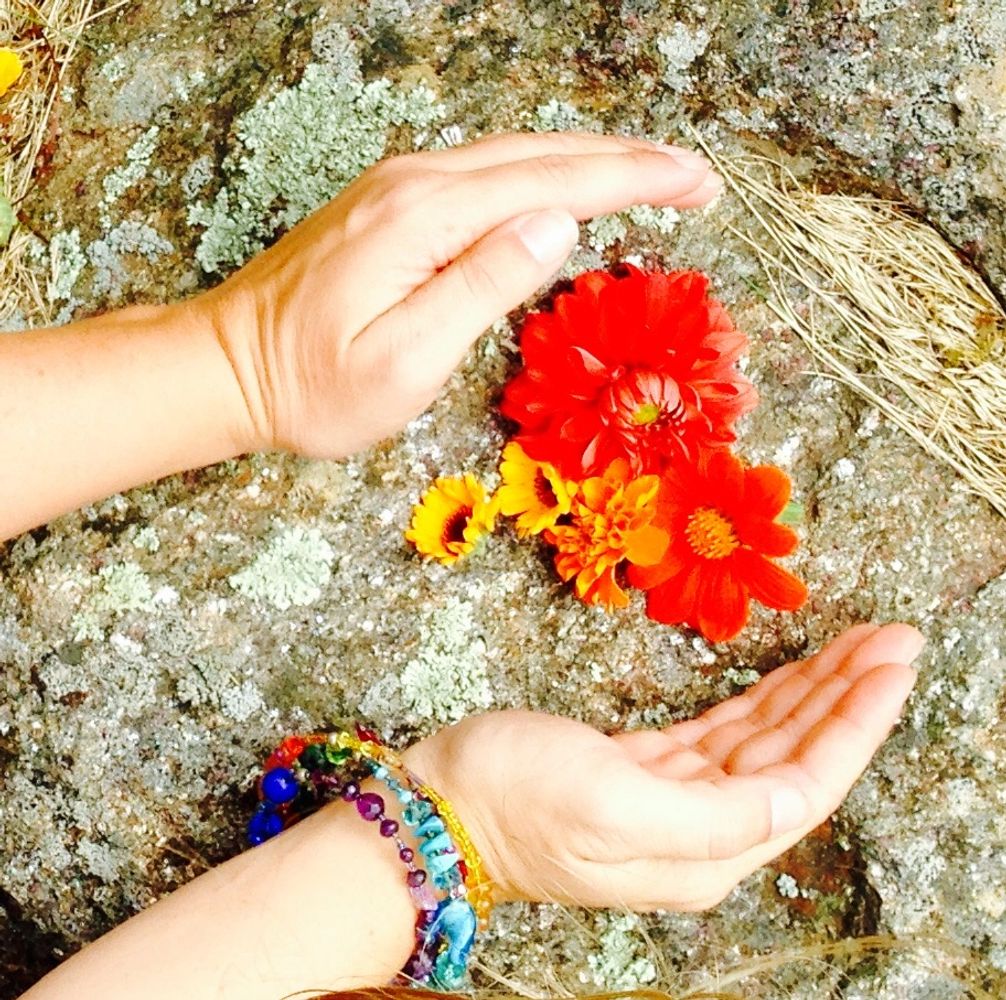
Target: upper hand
pixel 672 819
pixel 347 327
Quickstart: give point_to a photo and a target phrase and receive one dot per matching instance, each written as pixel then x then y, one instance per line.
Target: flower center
pixel 646 414
pixel 454 527
pixel 710 534
pixel 543 490
pixel 644 401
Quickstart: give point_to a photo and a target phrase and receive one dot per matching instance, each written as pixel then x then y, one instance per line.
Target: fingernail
pixel 789 810
pixel 713 184
pixel 688 159
pixel 549 236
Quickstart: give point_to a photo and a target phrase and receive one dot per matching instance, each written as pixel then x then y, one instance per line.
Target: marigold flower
pixel 639 367
pixel 611 524
pixel 533 492
pixel 11 69
pixel 721 518
pixel 451 517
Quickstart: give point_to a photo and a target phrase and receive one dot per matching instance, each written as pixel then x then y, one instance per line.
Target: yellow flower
pixel 534 491
pixel 11 68
pixel 450 518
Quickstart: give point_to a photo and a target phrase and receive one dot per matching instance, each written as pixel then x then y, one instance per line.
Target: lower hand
pixel 346 329
pixel 673 818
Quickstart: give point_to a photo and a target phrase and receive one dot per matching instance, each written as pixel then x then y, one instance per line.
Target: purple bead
pixel 388 828
pixel 351 792
pixel 415 878
pixel 370 806
pixel 406 854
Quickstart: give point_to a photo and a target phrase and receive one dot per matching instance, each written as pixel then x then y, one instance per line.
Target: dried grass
pixel 46 36
pixel 894 314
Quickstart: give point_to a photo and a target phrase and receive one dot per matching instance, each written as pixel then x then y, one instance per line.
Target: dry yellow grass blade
pixel 909 326
pixel 45 35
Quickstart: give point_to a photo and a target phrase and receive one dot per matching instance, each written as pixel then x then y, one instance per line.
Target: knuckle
pixel 556 169
pixel 479 280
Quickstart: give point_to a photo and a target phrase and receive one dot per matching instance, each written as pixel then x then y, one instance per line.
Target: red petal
pixel 673 602
pixel 769 583
pixel 766 490
pixel 766 537
pixel 722 608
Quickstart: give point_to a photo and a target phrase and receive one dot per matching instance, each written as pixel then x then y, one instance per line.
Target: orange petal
pixel 722 606
pixel 769 583
pixel 646 547
pixel 766 490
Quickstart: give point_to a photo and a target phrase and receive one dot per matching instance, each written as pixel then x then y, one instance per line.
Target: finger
pixel 492 150
pixel 705 819
pixel 442 318
pixel 782 718
pixel 833 756
pixel 690 732
pixel 584 186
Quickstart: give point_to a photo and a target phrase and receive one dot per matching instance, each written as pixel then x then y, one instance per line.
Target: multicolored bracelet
pixel 305 772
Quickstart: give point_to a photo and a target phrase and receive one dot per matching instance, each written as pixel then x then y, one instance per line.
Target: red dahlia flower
pixel 639 367
pixel 721 520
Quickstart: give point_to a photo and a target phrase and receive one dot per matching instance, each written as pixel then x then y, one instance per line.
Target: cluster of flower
pixel 625 406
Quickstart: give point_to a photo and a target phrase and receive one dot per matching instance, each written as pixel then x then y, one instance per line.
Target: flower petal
pixel 771 584
pixel 766 490
pixel 673 602
pixel 722 606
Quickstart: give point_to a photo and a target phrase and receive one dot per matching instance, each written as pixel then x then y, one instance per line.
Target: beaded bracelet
pixel 305 772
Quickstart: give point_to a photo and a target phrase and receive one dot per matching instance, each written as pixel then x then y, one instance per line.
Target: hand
pixel 672 819
pixel 346 329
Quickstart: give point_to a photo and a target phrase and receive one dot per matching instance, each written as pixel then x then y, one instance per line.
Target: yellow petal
pixel 11 69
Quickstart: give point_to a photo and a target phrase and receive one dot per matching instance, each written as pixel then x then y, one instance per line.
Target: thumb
pixel 493 276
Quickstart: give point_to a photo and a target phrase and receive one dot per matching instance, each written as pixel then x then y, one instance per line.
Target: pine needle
pixel 910 326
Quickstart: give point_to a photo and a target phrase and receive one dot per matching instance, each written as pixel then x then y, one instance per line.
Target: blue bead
pixel 416 811
pixel 380 772
pixel 404 795
pixel 263 825
pixel 279 785
pixel 441 842
pixel 429 826
pixel 440 863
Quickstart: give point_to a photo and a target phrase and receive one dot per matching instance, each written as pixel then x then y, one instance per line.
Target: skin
pixel 329 341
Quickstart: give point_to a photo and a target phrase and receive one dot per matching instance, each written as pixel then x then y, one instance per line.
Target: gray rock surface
pixel 153 645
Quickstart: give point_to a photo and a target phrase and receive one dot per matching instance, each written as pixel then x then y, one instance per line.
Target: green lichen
pixel 606 231
pixel 121 179
pixel 663 219
pixel 122 587
pixel 297 150
pixel 447 680
pixel 66 261
pixel 556 116
pixel 741 678
pixel 622 962
pixel 293 569
pixel 107 254
pixel 680 47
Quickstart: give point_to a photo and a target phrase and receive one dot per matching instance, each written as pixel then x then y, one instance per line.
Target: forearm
pixel 323 906
pixel 109 403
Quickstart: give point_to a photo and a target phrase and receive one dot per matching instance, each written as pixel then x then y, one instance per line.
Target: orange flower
pixel 611 525
pixel 451 517
pixel 721 518
pixel 532 491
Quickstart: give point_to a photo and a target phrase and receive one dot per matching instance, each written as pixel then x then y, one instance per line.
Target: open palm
pixel 674 818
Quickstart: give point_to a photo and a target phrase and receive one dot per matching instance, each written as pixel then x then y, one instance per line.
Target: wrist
pixel 440 761
pixel 234 321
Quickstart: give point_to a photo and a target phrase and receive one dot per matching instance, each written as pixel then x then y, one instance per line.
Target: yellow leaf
pixel 11 68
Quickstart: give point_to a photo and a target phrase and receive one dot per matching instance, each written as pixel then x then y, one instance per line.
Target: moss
pixel 292 570
pixel 298 149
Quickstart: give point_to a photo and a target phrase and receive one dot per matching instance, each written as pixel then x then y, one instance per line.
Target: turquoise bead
pixel 416 811
pixel 440 863
pixel 441 842
pixel 430 826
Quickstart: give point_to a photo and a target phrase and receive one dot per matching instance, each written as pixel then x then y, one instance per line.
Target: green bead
pixel 313 757
pixel 336 756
